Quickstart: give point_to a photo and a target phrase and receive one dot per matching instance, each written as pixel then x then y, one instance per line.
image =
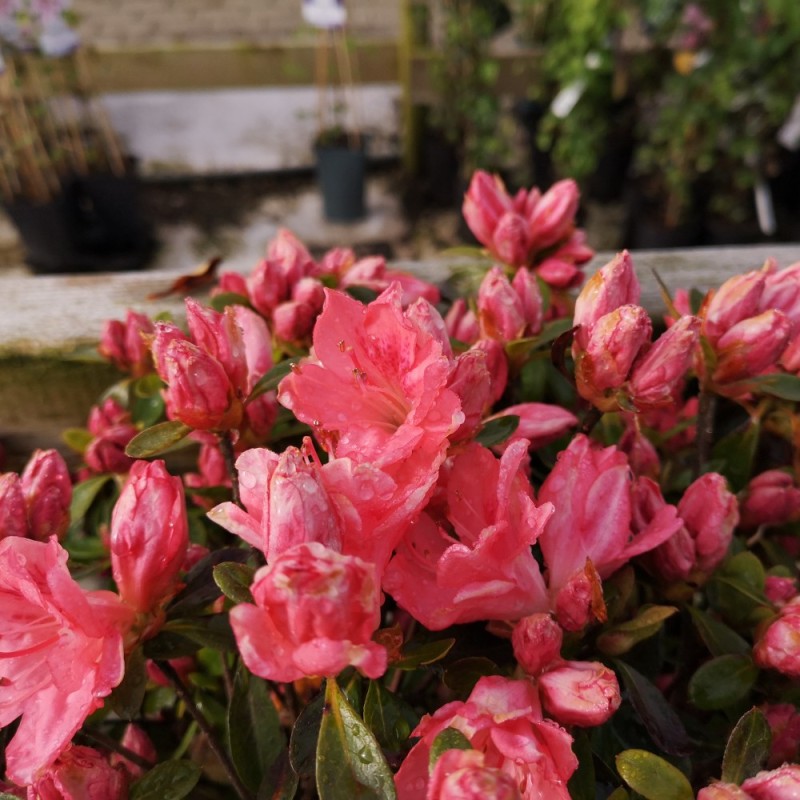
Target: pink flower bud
pixel 293 321
pixel 485 202
pixel 779 590
pixel 658 377
pixel 470 380
pixel 737 299
pixel 527 288
pixel 461 322
pixel 782 783
pixel 784 724
pixel 722 791
pixel 500 309
pixel 779 645
pixel 105 416
pixel 614 343
pixel 580 693
pixel 13 514
pixel 315 612
pixel 47 489
pixel 463 775
pixel 510 241
pixel 257 344
pixel 106 453
pixel 294 259
pixel 267 286
pixel 537 642
pixel 125 343
pixel 771 498
pixel 80 773
pixel 198 391
pixel 497 364
pixel 310 292
pixel 231 283
pixel 137 741
pixel 539 423
pixel 750 347
pixel 612 286
pixel 149 536
pixel 553 217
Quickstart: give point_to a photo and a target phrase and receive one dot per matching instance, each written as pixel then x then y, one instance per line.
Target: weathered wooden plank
pixel 48 314
pixel 199 67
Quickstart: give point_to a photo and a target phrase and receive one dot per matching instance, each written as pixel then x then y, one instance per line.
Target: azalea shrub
pixel 342 534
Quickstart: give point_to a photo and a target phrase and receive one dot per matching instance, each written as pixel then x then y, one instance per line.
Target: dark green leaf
pixel 620 638
pixel 305 733
pixel 582 785
pixel 271 380
pixel 349 759
pixel 363 294
pixel 735 453
pixel 147 411
pixel 415 654
pixel 200 589
pixel 281 781
pixel 147 386
pixel 722 682
pixel 126 699
pixel 155 440
pixel 696 298
pixel 497 430
pixel 234 580
pixel 658 717
pixel 747 749
pixel 717 636
pixel 213 631
pixel 84 494
pixel 462 675
pixel 254 729
pixel 653 777
pixel 779 384
pixel 170 780
pixel 388 716
pixel 448 739
pixel 6 796
pixel 167 645
pixel 219 301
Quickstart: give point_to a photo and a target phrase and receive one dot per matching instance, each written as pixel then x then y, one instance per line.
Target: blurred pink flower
pixel 784 724
pixel 463 775
pixel 125 343
pixel 315 612
pixel 80 773
pixel 771 498
pixel 503 720
pixel 62 652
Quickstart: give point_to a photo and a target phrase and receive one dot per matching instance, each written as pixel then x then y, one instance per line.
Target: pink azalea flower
pixel 779 645
pixel 62 652
pixel 503 720
pixel 599 515
pixel 80 773
pixel 315 612
pixel 583 693
pixel 487 570
pixel 463 775
pixel 375 389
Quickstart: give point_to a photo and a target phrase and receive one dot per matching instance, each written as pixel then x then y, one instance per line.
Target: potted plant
pixel 339 144
pixel 64 179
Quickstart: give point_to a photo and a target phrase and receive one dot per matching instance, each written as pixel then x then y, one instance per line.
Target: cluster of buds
pixel 36 503
pixel 124 344
pixel 111 428
pixel 531 229
pixel 616 365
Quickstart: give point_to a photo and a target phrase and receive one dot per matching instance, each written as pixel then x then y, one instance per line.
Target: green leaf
pixel 388 716
pixel 363 294
pixel 234 580
pixel 717 636
pixel 415 654
pixel 270 381
pixel 653 777
pixel 621 638
pixel 254 729
pixel 736 452
pixel 167 645
pixel 448 739
pixel 722 682
pixel 212 631
pixel 747 749
pixel 497 430
pixel 582 785
pixel 305 734
pixel 657 715
pixel 200 590
pixel 155 440
pixel 349 759
pixel 147 411
pixel 220 301
pixel 147 386
pixel 127 697
pixel 77 439
pixel 782 385
pixel 170 780
pixel 462 675
pixel 84 494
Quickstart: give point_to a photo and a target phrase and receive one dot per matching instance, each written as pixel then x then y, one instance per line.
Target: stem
pixel 226 446
pixel 705 428
pixel 593 416
pixel 114 746
pixel 206 728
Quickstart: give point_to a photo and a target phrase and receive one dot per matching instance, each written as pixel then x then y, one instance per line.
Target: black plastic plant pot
pixel 341 174
pixel 112 222
pixel 48 232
